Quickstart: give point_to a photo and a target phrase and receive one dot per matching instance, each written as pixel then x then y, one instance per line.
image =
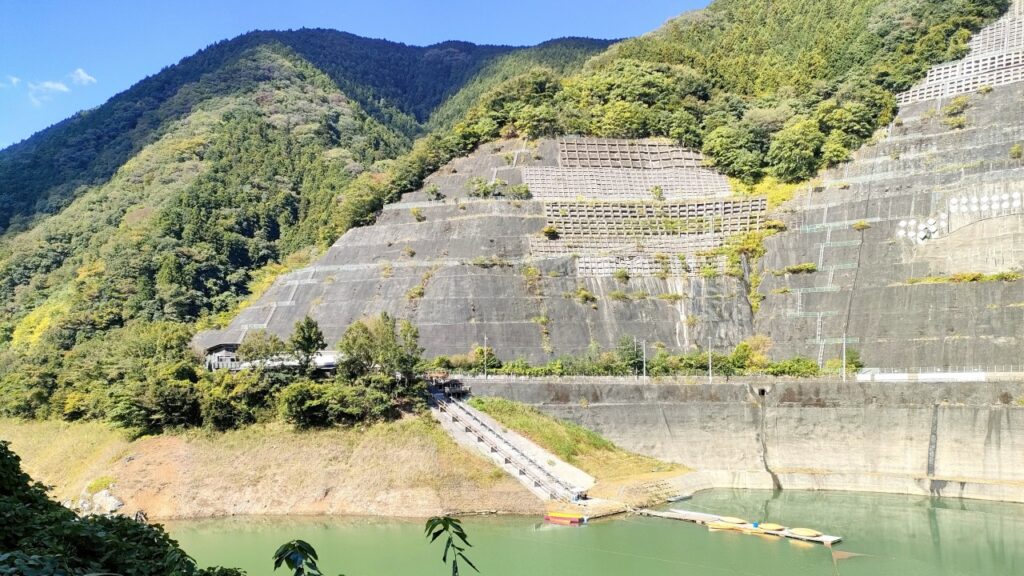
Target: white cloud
pixel 12 82
pixel 41 92
pixel 49 86
pixel 81 77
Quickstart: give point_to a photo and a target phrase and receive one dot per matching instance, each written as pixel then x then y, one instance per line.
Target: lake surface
pixel 887 535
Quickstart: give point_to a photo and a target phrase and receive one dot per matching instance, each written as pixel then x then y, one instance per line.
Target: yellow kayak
pixel 805 532
pixel 772 527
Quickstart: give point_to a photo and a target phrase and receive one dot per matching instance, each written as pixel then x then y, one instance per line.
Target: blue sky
pixel 58 57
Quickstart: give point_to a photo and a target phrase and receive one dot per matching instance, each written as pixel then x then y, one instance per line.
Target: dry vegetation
pixel 404 468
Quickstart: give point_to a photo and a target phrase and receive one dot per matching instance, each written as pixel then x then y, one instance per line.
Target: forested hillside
pixel 775 88
pixel 771 90
pixel 134 223
pixel 177 198
pixel 398 85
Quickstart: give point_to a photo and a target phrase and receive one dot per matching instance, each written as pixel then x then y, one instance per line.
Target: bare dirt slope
pixel 406 468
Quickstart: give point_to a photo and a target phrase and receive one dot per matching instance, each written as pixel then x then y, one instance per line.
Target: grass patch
pixel 582 295
pixel 572 443
pixel 419 290
pixel 488 263
pixel 776 191
pixel 802 268
pixel 566 440
pixel 618 296
pixel 64 455
pixel 100 484
pixel 968 278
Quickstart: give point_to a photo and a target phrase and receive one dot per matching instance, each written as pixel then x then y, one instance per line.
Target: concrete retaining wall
pixel 945 439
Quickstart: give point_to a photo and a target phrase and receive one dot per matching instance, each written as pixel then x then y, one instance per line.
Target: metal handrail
pixel 514 448
pixel 525 464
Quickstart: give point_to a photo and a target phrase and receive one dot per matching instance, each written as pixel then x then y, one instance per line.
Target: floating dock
pixel 714 522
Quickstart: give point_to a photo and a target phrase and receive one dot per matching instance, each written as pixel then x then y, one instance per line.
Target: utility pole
pixel 485 356
pixel 645 361
pixel 709 361
pixel 635 346
pixel 844 356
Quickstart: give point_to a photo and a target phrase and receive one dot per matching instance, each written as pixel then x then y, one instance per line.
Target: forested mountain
pixel 397 84
pixel 135 219
pixel 129 224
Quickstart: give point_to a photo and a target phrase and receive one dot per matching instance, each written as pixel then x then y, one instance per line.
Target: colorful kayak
pixel 565 518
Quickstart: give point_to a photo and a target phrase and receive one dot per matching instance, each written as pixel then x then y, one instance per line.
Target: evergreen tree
pixel 306 342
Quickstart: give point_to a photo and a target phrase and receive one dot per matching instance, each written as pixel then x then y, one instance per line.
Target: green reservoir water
pixel 890 535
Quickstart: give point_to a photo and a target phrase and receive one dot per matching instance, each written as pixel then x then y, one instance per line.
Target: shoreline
pixel 949 440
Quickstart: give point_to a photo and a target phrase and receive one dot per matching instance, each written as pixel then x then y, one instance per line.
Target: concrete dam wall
pixel 954 440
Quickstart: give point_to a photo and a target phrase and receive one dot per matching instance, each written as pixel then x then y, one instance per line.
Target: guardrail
pixel 565 486
pixel 953 372
pixel 999 369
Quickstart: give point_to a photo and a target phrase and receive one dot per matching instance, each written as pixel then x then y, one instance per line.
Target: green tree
pixel 306 342
pixel 384 347
pixel 683 127
pixel 621 119
pixel 537 121
pixel 793 155
pixel 835 151
pixel 260 347
pixel 733 151
pixel 306 404
pixel 853 118
pixel 630 354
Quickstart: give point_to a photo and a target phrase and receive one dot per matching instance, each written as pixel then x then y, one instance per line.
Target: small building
pixel 223 356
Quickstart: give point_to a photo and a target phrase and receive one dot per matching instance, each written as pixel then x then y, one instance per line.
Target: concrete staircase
pixel 542 473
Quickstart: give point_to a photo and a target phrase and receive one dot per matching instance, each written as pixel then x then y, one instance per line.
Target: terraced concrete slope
pixel 938 195
pixel 538 277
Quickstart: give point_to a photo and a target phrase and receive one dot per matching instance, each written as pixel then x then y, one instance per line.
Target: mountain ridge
pixel 91 144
